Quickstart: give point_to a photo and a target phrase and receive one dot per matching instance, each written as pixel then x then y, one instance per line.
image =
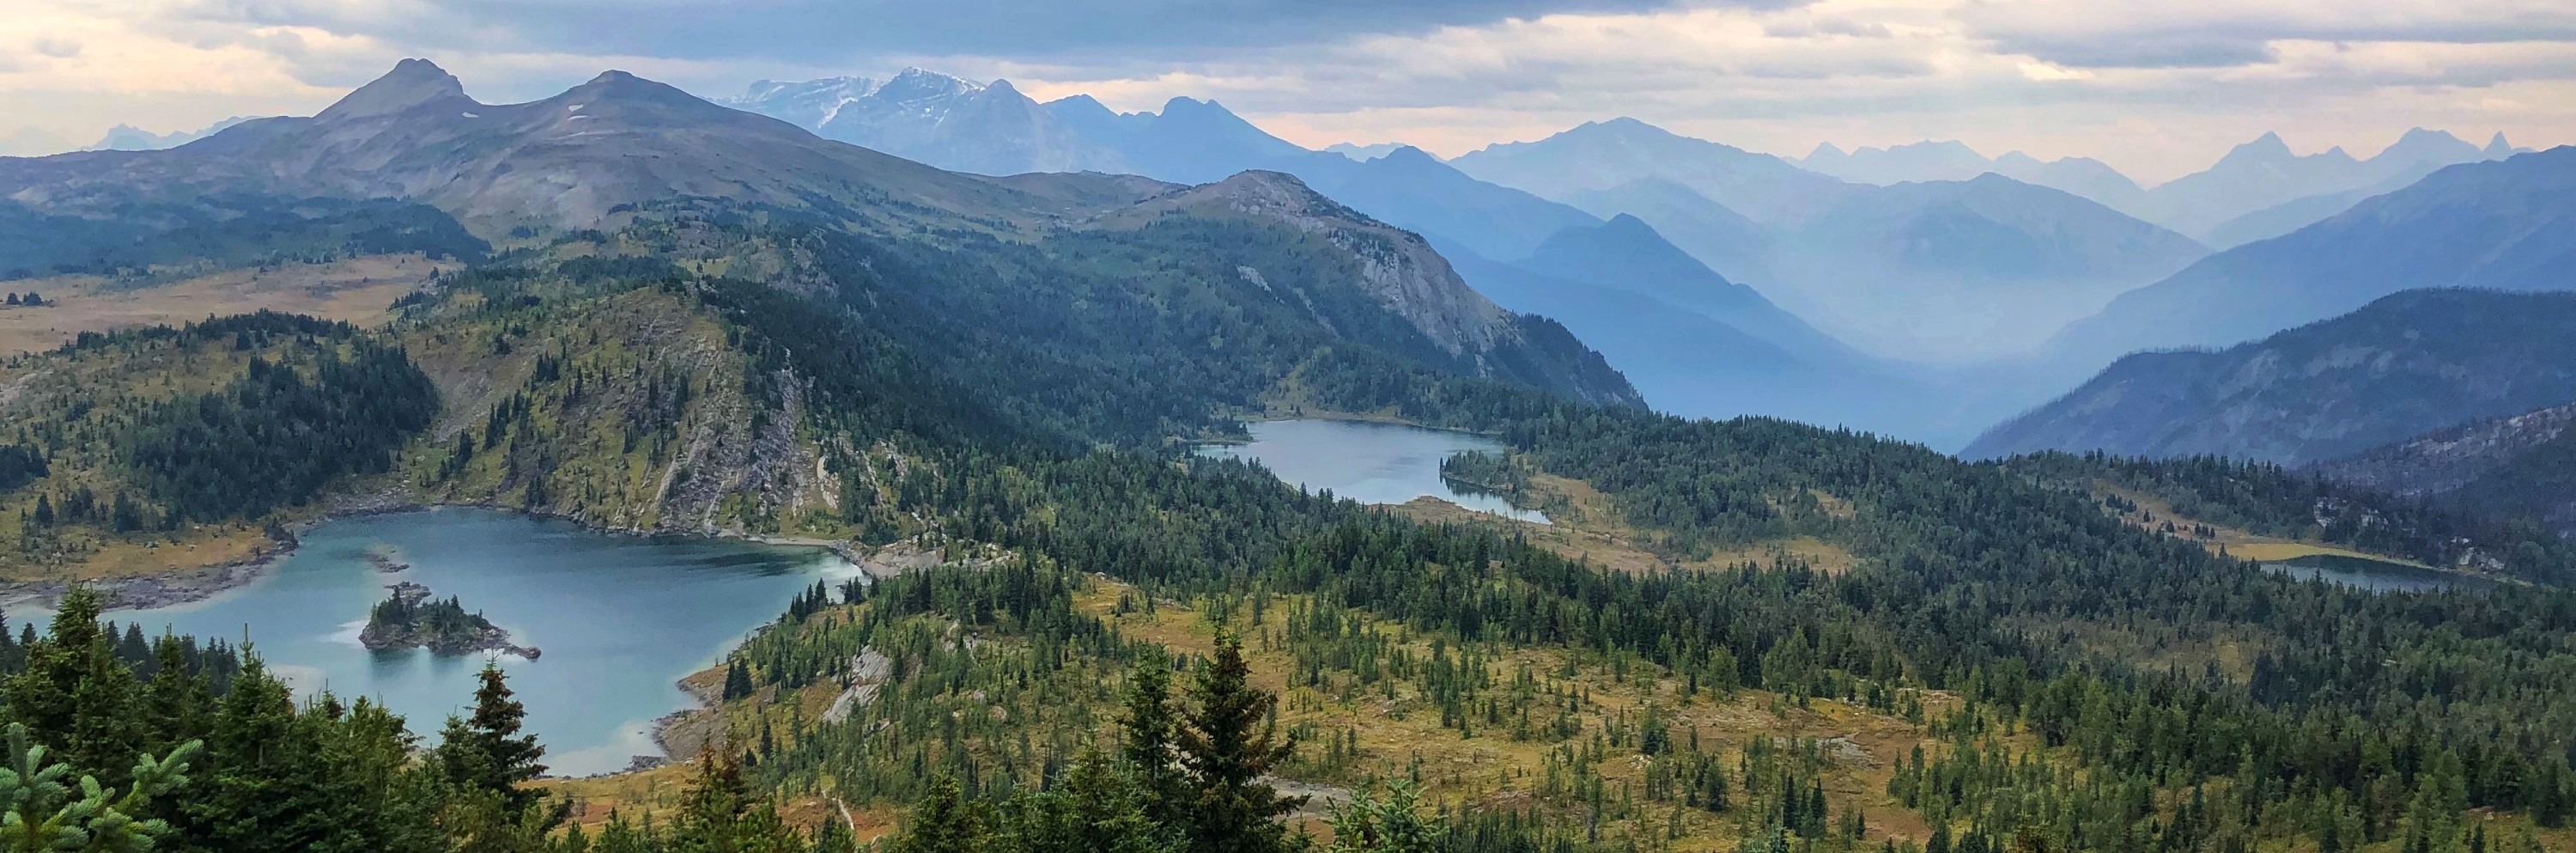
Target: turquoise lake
pixel 619 619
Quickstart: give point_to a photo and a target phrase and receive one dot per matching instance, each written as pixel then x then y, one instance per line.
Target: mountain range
pixel 2502 224
pixel 1938 271
pixel 2257 191
pixel 2403 365
pixel 1953 160
pixel 620 149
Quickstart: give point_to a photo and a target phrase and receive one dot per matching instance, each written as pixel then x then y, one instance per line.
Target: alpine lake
pixel 618 619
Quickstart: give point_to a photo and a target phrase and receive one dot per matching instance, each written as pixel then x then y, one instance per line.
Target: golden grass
pixel 359 290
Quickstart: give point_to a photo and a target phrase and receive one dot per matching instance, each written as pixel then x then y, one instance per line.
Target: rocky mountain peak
pixel 412 83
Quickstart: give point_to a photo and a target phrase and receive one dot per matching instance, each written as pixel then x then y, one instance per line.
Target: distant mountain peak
pixel 1407 154
pixel 1826 150
pixel 412 83
pixel 2497 147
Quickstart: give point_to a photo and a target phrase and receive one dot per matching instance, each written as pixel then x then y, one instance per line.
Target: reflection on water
pixel 619 618
pixel 1369 462
pixel 2375 575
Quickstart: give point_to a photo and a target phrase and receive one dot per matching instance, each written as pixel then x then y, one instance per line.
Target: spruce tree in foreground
pixel 46 813
pixel 1230 741
pixel 485 751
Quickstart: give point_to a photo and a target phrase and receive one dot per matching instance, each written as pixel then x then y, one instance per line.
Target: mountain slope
pixel 2408 363
pixel 2524 465
pixel 2507 225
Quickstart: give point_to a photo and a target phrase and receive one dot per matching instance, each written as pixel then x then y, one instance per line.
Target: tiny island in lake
pixel 410 619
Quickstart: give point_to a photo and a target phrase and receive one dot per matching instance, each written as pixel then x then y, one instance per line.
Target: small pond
pixel 1369 462
pixel 2376 575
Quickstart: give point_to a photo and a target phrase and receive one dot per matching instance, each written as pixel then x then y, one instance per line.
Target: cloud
pixel 2167 34
pixel 823 31
pixel 58 48
pixel 2160 86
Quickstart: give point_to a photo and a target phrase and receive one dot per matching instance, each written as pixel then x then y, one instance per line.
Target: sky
pixel 2158 88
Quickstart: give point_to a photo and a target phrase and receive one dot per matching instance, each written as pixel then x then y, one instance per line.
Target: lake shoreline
pixel 198 583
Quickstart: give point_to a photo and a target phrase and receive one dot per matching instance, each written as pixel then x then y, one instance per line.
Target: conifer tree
pixel 944 823
pixel 1229 742
pixel 485 750
pixel 1149 730
pixel 41 810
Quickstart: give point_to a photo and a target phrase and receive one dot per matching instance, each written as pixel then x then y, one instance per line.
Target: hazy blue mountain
pixel 949 122
pixel 2418 154
pixel 2401 366
pixel 1923 271
pixel 2503 224
pixel 2261 189
pixel 2082 176
pixel 1606 154
pixel 126 137
pixel 1416 191
pixel 1720 238
pixel 1364 152
pixel 1688 340
pixel 1190 141
pixel 1954 161
pixel 1949 160
pixel 991 128
pixel 1627 254
pixel 1956 270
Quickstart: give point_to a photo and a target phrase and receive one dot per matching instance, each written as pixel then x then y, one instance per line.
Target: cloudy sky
pixel 2156 87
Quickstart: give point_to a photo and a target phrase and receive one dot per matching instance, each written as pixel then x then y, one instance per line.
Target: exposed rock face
pixel 2448 459
pixel 2521 466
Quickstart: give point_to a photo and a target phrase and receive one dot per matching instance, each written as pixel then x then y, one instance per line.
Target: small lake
pixel 618 619
pixel 1368 462
pixel 2376 575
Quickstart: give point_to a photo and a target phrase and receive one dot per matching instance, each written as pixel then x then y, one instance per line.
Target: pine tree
pixel 485 751
pixel 944 823
pixel 1149 728
pixel 1229 742
pixel 721 814
pixel 737 684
